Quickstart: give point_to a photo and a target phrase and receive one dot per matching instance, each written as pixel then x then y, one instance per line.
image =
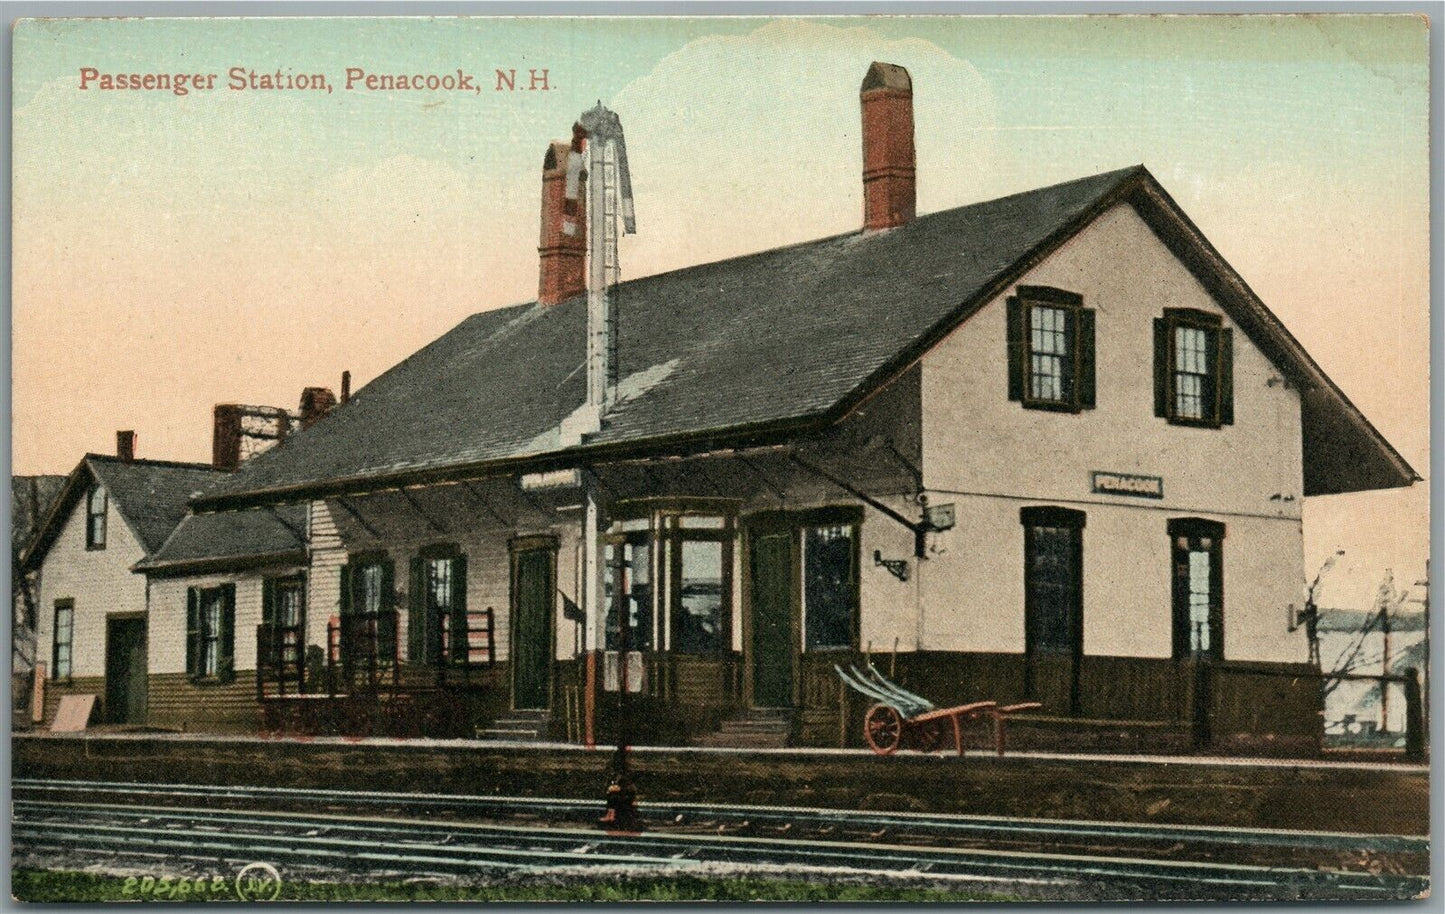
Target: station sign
pixel 1130 484
pixel 552 479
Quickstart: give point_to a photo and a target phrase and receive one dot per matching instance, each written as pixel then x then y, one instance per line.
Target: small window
pixel 438 626
pixel 95 511
pixel 64 636
pixel 698 622
pixel 211 632
pixel 627 588
pixel 283 613
pixel 1198 559
pixel 1051 350
pixel 368 610
pixel 1193 369
pixel 830 586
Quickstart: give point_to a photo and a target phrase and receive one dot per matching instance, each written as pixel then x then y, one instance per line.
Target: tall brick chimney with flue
pixel 125 445
pixel 888 160
pixel 563 245
pixel 226 437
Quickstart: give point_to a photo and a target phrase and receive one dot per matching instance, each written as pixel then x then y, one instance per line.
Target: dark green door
pixel 771 602
pixel 125 671
pixel 532 589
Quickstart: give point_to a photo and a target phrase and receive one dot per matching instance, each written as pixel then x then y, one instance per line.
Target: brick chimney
pixel 888 162
pixel 226 437
pixel 125 445
pixel 316 402
pixel 563 246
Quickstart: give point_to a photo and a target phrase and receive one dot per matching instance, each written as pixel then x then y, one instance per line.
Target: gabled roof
pixel 230 540
pixel 150 495
pixel 780 342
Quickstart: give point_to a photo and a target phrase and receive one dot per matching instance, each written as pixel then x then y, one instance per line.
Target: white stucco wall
pixel 168 616
pixel 990 456
pixel 98 580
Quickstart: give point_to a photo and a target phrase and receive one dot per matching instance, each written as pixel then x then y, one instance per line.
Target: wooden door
pixel 125 671
pixel 532 589
pixel 770 601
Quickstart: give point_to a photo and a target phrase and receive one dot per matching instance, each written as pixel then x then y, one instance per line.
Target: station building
pixel 1047 447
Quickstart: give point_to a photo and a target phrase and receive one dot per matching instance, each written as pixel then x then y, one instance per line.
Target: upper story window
pixel 95 509
pixel 1050 349
pixel 64 637
pixel 211 632
pixel 1193 368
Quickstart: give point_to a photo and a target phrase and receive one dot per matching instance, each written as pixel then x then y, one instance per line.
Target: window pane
pixel 630 563
pixel 1201 638
pixel 370 602
pixel 64 626
pixel 439 584
pixel 1050 368
pixel 829 598
pixel 288 605
pixel 1193 373
pixel 698 628
pixel 696 522
pixel 211 601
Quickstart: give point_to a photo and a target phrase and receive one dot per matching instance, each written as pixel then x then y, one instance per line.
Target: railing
pixel 467 650
pixel 364 647
pixel 280 660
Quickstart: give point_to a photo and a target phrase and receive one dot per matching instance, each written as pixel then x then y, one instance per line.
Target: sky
pixel 172 252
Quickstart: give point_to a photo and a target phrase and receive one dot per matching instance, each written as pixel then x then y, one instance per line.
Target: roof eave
pixel 211 564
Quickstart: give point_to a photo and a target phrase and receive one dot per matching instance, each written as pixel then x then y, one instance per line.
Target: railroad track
pixel 372 843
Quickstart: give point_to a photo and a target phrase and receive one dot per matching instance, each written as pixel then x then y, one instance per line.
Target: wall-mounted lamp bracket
pixel 896 567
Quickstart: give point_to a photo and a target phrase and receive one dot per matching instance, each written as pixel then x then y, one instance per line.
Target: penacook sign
pixel 1128 484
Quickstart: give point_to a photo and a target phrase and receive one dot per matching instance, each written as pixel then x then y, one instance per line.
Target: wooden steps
pixel 518 726
pixel 757 728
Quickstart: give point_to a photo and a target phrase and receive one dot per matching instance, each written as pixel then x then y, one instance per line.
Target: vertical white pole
pixel 597 219
pixel 591 590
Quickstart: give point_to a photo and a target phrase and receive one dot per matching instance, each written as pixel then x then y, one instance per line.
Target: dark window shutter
pixel 268 602
pixel 386 625
pixel 1226 376
pixel 1086 358
pixel 226 664
pixel 1179 559
pixel 345 607
pixel 416 613
pixel 1161 367
pixel 459 609
pixel 193 631
pixel 1216 597
pixel 1017 349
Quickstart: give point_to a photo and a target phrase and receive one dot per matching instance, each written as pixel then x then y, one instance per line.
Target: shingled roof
pixel 151 496
pixel 232 539
pixel 780 342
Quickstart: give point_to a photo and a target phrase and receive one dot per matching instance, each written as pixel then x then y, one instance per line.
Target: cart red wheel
pixel 883 729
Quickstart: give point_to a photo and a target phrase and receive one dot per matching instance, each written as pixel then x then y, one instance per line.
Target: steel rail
pixel 555 844
pixel 919 823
